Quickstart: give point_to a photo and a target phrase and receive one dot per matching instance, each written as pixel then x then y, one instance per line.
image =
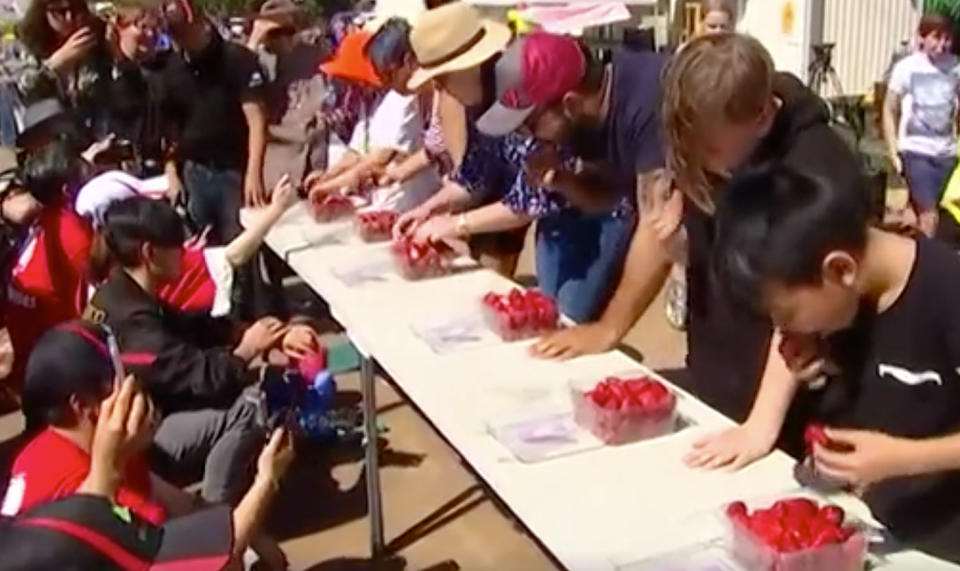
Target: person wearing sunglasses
pixel 70 57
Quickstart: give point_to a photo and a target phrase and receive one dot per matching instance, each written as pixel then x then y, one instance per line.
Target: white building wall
pixel 867 33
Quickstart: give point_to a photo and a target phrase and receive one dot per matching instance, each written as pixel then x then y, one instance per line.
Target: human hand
pixel 437 229
pixel 125 426
pixel 733 448
pixel 276 457
pixel 284 194
pixel 262 335
pixel 299 341
pixel 568 343
pixel 174 190
pixel 313 178
pixel 863 457
pixel 804 356
pixel 392 174
pixel 897 163
pixel 668 217
pixel 253 192
pixel 77 46
pixel 91 153
pixel 409 221
pixel 540 162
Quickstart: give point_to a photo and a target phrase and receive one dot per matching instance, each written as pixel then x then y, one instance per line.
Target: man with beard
pixel 596 129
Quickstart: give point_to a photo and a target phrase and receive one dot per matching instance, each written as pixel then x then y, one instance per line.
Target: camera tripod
pixel 821 72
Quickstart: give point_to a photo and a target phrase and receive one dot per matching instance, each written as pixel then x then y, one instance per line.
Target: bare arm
pixel 364 166
pixel 891 118
pixel 256 117
pixel 244 246
pixel 410 166
pixel 249 513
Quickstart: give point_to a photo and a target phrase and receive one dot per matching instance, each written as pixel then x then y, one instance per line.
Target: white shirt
pixel 397 124
pixel 928 109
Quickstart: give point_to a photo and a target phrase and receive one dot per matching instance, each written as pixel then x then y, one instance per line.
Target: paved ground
pixel 438 516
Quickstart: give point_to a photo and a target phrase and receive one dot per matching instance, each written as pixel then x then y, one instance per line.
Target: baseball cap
pixel 350 62
pixel 89 532
pixel 535 69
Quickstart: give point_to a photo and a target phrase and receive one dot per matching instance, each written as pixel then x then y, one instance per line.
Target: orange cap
pixel 350 62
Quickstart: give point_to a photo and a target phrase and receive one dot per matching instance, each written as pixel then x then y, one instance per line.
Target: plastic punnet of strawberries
pixel 418 260
pixel 618 410
pixel 374 225
pixel 520 314
pixel 330 207
pixel 795 534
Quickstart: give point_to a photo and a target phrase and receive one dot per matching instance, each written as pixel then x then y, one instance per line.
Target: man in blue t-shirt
pixel 596 129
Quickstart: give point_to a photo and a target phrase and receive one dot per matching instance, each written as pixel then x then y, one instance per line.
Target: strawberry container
pixel 330 207
pixel 785 538
pixel 374 225
pixel 416 260
pixel 625 408
pixel 520 314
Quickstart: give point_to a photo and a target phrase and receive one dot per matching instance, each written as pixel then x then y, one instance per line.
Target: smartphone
pixel 114 349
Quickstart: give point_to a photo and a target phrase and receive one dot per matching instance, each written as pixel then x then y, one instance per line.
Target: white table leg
pixel 372 460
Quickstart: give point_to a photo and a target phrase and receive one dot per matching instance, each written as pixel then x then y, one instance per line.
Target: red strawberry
pixel 636 386
pixel 735 508
pixel 833 514
pixel 814 433
pixel 599 398
pixel 827 536
pixel 801 507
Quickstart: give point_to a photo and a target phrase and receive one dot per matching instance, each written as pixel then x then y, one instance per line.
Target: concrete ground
pixel 437 515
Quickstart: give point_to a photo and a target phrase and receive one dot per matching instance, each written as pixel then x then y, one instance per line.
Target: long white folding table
pixel 594 510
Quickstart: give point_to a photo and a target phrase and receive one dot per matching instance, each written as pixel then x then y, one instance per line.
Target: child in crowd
pixel 188 363
pixel 802 250
pixel 920 117
pixel 718 16
pixel 69 378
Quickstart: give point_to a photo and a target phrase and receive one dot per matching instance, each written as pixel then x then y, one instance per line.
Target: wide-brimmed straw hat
pixel 452 38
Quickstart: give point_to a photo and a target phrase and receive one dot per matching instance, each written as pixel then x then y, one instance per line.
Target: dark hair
pixel 37 35
pixel 72 359
pixel 776 223
pixel 127 225
pixel 47 172
pixel 593 71
pixel 390 46
pixel 934 22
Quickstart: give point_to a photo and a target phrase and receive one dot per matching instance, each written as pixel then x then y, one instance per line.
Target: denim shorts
pixel 927 178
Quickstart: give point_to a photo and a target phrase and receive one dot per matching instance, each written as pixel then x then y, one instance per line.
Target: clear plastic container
pixel 622 426
pixel 752 553
pixel 415 261
pixel 529 323
pixel 331 207
pixel 374 225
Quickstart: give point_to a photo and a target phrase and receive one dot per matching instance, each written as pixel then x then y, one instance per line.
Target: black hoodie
pixel 728 345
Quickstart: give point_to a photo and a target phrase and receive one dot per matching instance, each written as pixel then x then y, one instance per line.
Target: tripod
pixel 843 110
pixel 822 73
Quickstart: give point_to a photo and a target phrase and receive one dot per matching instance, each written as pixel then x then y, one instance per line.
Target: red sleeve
pixel 67 240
